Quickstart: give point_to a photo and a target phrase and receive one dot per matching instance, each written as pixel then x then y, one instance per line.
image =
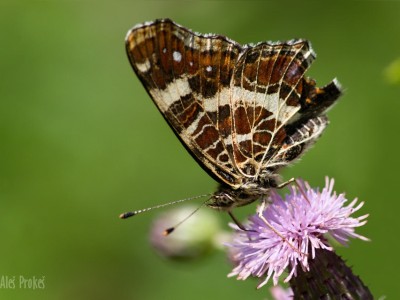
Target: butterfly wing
pixel 239 110
pixel 309 124
pixel 188 77
pixel 271 98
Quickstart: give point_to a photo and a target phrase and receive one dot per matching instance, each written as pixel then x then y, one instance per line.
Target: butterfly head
pixel 226 198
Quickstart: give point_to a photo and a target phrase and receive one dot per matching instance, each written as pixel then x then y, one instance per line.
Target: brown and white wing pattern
pixel 271 99
pixel 307 127
pixel 188 76
pixel 297 142
pixel 239 110
pixel 267 86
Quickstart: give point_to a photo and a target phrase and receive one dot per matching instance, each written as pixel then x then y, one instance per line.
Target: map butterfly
pixel 242 111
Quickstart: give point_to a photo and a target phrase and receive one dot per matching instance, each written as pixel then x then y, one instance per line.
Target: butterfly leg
pixel 284 184
pixel 240 225
pixel 294 181
pixel 236 221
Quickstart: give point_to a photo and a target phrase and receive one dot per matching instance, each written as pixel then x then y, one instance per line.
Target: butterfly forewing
pixel 187 76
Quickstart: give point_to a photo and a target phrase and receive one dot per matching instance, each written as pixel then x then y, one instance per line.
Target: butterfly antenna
pixel 169 230
pixel 136 212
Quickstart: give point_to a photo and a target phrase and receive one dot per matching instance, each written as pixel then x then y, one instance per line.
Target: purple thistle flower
pixel 304 223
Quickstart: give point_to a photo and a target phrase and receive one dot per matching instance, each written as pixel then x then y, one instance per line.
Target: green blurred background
pixel 82 142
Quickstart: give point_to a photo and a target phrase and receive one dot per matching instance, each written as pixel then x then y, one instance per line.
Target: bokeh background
pixel 82 142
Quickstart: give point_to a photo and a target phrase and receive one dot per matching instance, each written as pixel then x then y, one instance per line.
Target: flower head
pixel 304 218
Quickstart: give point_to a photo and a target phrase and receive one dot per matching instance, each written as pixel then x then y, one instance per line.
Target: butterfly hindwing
pixel 266 96
pixel 297 141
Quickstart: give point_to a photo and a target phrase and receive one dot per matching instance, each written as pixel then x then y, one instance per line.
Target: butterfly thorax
pixel 227 198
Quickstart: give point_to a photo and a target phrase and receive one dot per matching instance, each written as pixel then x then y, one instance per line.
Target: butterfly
pixel 242 111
